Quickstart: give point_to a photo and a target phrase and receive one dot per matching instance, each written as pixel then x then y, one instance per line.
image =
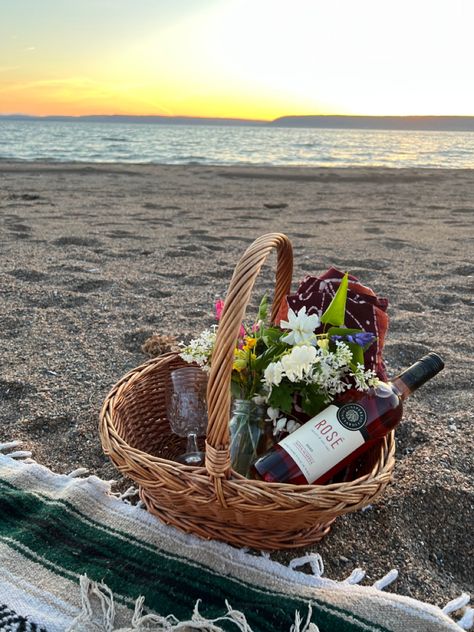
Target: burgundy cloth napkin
pixel 364 310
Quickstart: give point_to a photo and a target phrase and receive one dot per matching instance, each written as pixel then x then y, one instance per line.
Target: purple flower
pixel 361 338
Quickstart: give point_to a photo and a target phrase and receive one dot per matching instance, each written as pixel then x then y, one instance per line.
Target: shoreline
pixel 96 257
pixel 10 164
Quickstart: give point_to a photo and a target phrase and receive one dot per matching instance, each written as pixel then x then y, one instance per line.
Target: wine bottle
pixel 353 423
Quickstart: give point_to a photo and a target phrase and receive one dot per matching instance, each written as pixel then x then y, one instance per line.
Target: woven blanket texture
pixel 75 558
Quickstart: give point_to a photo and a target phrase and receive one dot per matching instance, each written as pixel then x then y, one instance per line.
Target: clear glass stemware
pixel 187 410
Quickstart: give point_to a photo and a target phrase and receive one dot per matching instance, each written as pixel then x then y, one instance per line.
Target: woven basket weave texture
pixel 214 501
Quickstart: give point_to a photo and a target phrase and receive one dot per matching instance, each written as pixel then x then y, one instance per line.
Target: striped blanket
pixel 74 557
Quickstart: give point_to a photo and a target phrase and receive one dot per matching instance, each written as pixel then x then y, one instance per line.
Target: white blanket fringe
pixel 456 604
pixel 102 618
pixel 9 445
pixel 355 577
pixel 313 559
pixel 17 454
pixel 460 603
pixel 386 580
pixel 80 471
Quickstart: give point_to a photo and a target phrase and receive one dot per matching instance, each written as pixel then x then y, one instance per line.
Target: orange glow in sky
pixel 236 58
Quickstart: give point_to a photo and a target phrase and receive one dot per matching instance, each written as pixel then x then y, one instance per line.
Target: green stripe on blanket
pixel 55 530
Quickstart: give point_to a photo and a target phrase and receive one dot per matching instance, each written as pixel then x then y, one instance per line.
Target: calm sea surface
pixel 188 144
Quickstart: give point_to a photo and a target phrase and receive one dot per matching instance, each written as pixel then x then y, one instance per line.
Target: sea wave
pixel 68 141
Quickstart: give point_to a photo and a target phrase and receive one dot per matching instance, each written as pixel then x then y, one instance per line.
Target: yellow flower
pixel 249 343
pixel 323 343
pixel 240 360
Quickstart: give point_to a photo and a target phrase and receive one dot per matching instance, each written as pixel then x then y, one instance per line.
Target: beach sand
pixel 96 258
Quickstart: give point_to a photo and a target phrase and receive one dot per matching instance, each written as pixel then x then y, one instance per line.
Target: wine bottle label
pixel 326 439
pixel 352 416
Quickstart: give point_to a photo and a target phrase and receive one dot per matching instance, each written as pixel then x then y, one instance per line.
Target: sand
pixel 96 258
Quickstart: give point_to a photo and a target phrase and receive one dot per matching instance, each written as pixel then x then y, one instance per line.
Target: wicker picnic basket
pixel 214 501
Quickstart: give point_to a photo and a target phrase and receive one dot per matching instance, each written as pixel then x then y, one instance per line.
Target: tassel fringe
pixel 98 615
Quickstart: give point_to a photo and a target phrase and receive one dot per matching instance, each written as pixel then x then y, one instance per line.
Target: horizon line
pixel 239 118
pixel 416 122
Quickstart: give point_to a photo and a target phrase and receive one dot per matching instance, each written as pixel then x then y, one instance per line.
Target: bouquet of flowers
pixel 287 372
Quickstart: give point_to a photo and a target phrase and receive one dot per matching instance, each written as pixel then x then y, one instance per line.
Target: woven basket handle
pixel 236 301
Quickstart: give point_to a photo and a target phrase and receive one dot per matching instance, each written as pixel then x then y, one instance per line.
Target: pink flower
pixel 219 305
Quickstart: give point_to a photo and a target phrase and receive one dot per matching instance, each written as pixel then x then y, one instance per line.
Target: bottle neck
pixel 417 374
pixel 402 389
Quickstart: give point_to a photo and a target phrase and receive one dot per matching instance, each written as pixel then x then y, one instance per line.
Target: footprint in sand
pixel 463 211
pixel 23 274
pixel 91 285
pixel 160 207
pixel 276 205
pixel 241 208
pixel 411 307
pixel 443 300
pixel 407 322
pixel 369 264
pixel 464 270
pixel 133 340
pixel 160 294
pixel 125 234
pixel 375 230
pixel 77 241
pixel 15 225
pixel 409 438
pixel 19 228
pixel 201 236
pixel 403 354
pixel 200 281
pixel 26 197
pixel 178 253
pixel 50 424
pixel 395 244
pixel 15 390
pixel 441 537
pixel 57 301
pixel 214 247
pixel 301 235
pixel 11 327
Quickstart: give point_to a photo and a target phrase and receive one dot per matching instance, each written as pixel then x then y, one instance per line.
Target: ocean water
pixel 218 145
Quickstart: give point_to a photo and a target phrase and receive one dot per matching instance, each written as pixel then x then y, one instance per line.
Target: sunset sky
pixel 239 58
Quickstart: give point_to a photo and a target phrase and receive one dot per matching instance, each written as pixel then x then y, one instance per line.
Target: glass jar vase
pixel 250 435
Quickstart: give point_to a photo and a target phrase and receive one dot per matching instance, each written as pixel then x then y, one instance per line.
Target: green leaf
pixel 263 309
pixel 235 389
pixel 312 400
pixel 356 350
pixel 269 355
pixel 335 313
pixel 357 354
pixel 271 335
pixel 281 397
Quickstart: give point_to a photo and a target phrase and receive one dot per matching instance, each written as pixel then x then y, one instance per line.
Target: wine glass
pixel 187 410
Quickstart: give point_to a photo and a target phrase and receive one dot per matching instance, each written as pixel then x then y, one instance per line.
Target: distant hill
pixel 419 123
pixel 122 118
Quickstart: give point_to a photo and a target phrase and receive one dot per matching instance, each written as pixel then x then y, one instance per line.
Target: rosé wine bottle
pixel 349 426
